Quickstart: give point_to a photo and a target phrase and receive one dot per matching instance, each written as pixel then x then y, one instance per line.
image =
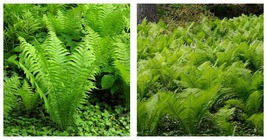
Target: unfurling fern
pixel 59 77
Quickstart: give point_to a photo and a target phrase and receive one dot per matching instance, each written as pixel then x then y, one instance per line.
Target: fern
pixel 11 89
pixel 122 58
pixel 257 121
pixel 222 118
pixel 150 111
pixel 191 106
pixel 114 23
pixel 254 102
pixel 28 97
pixel 65 22
pixel 212 68
pixel 60 78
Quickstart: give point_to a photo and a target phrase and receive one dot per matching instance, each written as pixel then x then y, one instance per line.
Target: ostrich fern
pixel 60 78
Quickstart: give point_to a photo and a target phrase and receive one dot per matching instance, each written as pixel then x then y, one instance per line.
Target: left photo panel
pixel 66 69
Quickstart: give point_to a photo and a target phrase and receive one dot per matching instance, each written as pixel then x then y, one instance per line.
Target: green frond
pixel 257 121
pixel 28 97
pixel 122 59
pixel 254 102
pixel 30 62
pixel 222 118
pixel 29 25
pixel 114 23
pixel 235 102
pixel 257 80
pixel 48 23
pixel 11 87
pixel 150 111
pixel 100 46
pixel 64 22
pixel 191 106
pixel 60 78
pixel 95 13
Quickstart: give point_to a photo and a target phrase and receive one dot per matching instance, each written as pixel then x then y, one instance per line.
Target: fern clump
pixel 60 78
pixel 66 56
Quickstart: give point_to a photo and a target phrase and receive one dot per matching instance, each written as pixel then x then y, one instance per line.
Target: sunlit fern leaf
pixel 100 46
pixel 29 62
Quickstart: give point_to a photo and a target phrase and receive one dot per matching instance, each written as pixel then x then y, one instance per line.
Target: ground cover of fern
pixel 205 79
pixel 66 70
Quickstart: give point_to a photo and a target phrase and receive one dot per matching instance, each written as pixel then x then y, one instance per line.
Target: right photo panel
pixel 200 69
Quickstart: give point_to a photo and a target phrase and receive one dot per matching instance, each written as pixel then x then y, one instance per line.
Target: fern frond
pixel 254 102
pixel 29 23
pixel 70 76
pixel 222 118
pixel 11 87
pixel 191 106
pixel 32 64
pixel 28 97
pixel 257 121
pixel 238 103
pixel 94 15
pixel 122 60
pixel 56 57
pixel 113 23
pixel 150 111
pixel 64 22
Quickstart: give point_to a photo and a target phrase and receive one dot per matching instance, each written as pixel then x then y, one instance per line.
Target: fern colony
pixel 205 79
pixel 63 65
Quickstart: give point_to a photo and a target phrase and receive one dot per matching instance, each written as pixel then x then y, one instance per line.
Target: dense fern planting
pixel 66 69
pixel 204 79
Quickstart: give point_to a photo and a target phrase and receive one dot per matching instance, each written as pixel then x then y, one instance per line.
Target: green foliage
pixel 191 106
pixel 64 54
pixel 107 81
pixel 257 121
pixel 254 102
pixel 93 121
pixel 28 97
pixel 149 113
pixel 213 71
pixel 222 118
pixel 11 88
pixel 66 79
